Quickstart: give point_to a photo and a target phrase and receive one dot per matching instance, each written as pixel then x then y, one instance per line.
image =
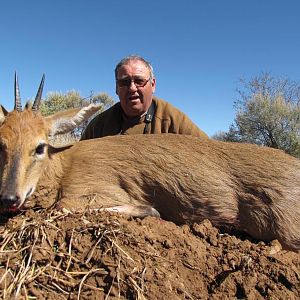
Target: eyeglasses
pixel 138 82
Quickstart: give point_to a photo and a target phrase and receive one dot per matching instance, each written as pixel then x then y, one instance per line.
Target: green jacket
pixel 167 119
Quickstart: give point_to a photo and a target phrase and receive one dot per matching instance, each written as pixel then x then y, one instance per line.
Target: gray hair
pixel 129 58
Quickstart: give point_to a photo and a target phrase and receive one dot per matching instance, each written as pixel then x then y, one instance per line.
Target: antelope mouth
pixel 10 209
pixel 13 209
pixel 16 207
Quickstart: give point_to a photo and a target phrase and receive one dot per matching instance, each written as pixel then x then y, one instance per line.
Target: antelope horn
pixel 38 97
pixel 18 106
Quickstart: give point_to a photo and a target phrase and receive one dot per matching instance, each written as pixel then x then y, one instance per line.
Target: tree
pixel 56 101
pixel 266 84
pixel 268 113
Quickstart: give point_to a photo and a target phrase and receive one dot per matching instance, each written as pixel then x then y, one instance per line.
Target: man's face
pixel 135 98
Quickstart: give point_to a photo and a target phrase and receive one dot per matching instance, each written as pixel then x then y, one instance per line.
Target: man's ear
pixel 153 84
pixel 66 121
pixel 3 114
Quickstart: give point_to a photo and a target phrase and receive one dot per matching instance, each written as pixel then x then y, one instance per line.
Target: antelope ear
pixel 3 114
pixel 68 120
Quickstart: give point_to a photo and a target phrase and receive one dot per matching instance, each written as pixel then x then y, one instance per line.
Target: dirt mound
pixel 45 254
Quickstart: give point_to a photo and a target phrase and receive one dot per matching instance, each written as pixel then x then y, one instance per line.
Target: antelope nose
pixel 9 201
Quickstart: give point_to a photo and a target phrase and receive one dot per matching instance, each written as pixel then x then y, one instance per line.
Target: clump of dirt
pixel 47 254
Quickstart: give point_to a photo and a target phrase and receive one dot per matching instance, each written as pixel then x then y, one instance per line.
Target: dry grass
pixel 95 255
pixel 44 257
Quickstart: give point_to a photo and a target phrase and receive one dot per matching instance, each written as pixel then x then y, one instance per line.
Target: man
pixel 138 111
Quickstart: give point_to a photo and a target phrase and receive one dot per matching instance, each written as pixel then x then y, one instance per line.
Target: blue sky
pixel 199 49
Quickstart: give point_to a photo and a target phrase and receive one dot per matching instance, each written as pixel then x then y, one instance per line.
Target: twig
pixel 84 278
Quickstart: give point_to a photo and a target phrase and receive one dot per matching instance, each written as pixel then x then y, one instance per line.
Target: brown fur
pixel 186 179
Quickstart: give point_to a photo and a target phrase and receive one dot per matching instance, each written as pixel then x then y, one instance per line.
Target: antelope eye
pixel 40 149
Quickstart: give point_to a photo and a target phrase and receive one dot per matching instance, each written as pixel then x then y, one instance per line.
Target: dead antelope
pixel 183 178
